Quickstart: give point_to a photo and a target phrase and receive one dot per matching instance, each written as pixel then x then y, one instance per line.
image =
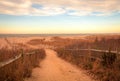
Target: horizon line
pixel 51 33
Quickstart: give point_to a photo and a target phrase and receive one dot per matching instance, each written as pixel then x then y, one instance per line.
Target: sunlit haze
pixel 59 16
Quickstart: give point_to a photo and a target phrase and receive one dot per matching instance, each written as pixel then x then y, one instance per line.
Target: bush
pixel 108 59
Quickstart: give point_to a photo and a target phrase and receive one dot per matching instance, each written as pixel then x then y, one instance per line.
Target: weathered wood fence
pixel 95 54
pixel 4 63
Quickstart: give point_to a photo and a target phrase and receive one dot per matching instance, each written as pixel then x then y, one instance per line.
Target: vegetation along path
pixel 52 68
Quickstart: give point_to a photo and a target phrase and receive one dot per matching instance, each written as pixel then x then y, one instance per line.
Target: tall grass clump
pixel 22 67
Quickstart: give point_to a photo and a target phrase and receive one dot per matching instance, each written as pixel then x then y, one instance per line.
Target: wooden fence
pixel 4 63
pixel 96 50
pixel 95 54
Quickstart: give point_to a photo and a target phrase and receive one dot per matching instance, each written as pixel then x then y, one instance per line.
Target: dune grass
pixel 22 67
pixel 105 69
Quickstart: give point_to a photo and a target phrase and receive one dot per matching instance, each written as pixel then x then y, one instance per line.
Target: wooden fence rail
pixel 93 50
pixel 96 50
pixel 4 63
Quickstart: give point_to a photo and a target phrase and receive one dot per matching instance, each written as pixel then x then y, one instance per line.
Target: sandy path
pixel 56 69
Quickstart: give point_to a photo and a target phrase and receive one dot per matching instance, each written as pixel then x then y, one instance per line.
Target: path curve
pixel 53 68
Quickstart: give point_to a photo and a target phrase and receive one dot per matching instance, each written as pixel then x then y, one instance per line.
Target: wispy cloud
pixel 56 7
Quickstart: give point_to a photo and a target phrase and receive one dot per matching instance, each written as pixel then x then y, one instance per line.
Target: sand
pixel 53 68
pixel 16 40
pixel 24 40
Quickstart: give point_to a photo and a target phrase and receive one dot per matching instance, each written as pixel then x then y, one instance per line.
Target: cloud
pixel 57 7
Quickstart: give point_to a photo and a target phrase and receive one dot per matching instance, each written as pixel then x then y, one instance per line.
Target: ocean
pixel 36 35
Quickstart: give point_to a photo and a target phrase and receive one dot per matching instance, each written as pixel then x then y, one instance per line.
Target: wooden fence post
pixel 22 55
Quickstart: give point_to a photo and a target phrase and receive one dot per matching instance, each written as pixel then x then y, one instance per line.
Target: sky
pixel 59 16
